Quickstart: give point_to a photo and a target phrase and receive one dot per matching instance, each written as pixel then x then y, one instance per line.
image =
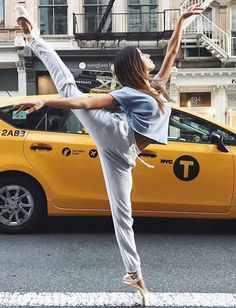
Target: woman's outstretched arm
pixel 75 102
pixel 174 43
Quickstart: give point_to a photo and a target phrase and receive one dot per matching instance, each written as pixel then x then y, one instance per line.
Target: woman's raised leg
pixel 61 75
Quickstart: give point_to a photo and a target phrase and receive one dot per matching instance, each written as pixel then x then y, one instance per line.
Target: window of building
pixel 142 15
pixel 233 30
pixel 2 17
pixel 207 26
pixel 6 75
pixel 94 10
pixel 195 99
pixel 208 13
pixel 53 17
pixel 197 52
pixel 231 100
pixel 45 85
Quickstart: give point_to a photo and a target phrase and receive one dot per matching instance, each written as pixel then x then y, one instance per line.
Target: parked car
pixel 50 166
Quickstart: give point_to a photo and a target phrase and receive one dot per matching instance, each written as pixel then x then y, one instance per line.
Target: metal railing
pixel 202 25
pixel 187 3
pixel 203 3
pixel 126 22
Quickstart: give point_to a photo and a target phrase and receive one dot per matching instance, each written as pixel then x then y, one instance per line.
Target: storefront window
pixel 142 15
pixel 195 99
pixel 233 30
pixel 53 17
pixel 6 75
pixel 94 10
pixel 231 110
pixel 2 13
pixel 231 100
pixel 46 85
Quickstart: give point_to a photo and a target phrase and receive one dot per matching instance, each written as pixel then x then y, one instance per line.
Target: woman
pixel 119 137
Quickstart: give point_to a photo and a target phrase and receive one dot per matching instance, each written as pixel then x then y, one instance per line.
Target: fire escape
pixel 114 26
pixel 208 34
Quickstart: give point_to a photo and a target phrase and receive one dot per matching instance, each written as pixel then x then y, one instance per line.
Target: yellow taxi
pixel 50 166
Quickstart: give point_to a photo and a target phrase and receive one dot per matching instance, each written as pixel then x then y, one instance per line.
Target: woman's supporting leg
pixel 118 178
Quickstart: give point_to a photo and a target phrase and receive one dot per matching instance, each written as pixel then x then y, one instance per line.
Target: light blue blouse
pixel 143 113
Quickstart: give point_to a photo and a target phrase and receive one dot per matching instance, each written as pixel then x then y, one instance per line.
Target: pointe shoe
pixel 30 29
pixel 133 282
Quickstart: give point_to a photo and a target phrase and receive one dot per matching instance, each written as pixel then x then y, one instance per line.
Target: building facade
pixel 88 33
pixel 203 79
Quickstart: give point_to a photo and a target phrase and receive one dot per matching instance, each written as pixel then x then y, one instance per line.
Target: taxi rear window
pixel 46 119
pixel 31 122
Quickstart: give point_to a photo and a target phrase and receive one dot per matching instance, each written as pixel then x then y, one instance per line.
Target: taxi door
pixel 190 174
pixel 68 161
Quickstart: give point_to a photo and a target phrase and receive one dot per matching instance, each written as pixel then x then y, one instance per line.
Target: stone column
pixel 174 89
pixel 77 8
pixel 31 87
pixel 174 93
pixel 223 18
pixel 164 5
pixel 120 21
pixel 221 103
pixel 21 73
pixel 214 100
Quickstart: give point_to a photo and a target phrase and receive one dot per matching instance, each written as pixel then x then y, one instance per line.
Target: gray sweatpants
pixel 113 138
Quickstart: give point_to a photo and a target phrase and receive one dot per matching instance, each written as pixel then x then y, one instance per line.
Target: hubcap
pixel 16 205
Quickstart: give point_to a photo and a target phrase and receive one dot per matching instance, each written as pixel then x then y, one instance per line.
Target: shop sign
pixel 95 81
pixel 195 99
pixel 96 66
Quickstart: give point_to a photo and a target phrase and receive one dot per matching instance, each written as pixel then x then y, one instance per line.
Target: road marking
pixel 112 299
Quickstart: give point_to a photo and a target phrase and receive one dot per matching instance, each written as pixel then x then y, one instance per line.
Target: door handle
pixel 42 147
pixel 148 154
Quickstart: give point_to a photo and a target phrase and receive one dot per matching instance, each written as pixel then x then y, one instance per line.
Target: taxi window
pixel 45 119
pixel 30 122
pixel 61 121
pixel 185 128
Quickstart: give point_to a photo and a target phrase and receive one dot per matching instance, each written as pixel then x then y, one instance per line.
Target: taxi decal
pixel 93 153
pixel 166 161
pixel 77 152
pixel 66 151
pixel 186 168
pixel 13 133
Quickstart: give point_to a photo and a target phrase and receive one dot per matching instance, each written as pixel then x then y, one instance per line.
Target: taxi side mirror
pixel 218 139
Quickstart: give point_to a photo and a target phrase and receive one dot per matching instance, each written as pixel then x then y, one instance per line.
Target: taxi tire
pixel 40 208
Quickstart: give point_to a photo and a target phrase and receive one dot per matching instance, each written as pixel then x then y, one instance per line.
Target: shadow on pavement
pixel 141 225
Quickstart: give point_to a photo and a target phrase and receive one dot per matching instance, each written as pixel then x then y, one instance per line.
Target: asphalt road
pixel 81 255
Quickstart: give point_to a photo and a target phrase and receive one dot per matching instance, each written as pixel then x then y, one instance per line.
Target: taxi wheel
pixel 22 204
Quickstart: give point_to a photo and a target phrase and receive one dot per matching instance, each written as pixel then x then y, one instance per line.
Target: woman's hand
pixel 192 10
pixel 29 106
